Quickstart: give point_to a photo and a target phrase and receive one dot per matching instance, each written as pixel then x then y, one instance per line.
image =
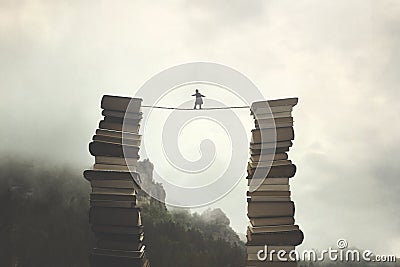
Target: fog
pixel 341 59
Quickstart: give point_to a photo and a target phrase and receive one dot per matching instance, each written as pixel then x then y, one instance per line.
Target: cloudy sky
pixel 341 59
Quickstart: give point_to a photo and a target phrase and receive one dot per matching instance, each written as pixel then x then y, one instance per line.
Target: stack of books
pixel 270 209
pixel 114 216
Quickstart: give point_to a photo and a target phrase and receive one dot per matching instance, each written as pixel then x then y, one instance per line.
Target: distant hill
pixel 44 222
pixel 179 238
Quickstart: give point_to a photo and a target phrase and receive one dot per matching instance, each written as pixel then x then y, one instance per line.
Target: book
pixel 121 114
pixel 268 123
pixel 120 253
pixel 268 193
pixel 115 160
pixel 131 128
pixel 115 204
pixel 275 171
pixel 273 121
pixel 269 145
pixel 268 198
pixel 264 221
pixel 130 237
pixel 267 181
pixel 98 148
pixel 272 126
pixel 112 197
pixel 102 260
pixel 121 120
pixel 118 103
pixel 118 134
pixel 91 175
pixel 263 164
pixel 117 229
pixel 125 240
pixel 278 156
pixel 126 168
pixel 272 135
pixel 115 216
pixel 267 116
pixel 272 228
pixel 113 191
pixel 279 150
pixel 281 238
pixel 116 140
pixel 110 175
pixel 275 103
pixel 120 245
pixel 272 187
pixel 258 109
pixel 270 209
pixel 114 183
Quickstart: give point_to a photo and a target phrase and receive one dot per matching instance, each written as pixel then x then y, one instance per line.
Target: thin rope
pixel 147 106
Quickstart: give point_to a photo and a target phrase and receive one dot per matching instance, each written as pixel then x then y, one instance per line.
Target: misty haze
pixel 340 58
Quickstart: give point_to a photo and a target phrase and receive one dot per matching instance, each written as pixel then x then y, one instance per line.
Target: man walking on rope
pixel 199 99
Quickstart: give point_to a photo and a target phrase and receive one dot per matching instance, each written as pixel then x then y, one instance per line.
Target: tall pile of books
pixel 114 216
pixel 270 209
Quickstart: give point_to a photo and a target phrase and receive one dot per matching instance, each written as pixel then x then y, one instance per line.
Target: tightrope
pixel 147 106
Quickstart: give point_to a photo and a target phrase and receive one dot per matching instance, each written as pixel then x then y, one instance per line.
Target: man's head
pixel 197 90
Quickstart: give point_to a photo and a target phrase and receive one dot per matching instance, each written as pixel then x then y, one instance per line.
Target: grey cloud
pixel 341 58
pixel 228 12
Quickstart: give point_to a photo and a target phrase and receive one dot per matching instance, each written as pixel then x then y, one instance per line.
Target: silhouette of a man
pixel 199 99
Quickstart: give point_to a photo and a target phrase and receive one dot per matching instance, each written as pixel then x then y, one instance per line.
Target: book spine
pixel 114 215
pixel 270 209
